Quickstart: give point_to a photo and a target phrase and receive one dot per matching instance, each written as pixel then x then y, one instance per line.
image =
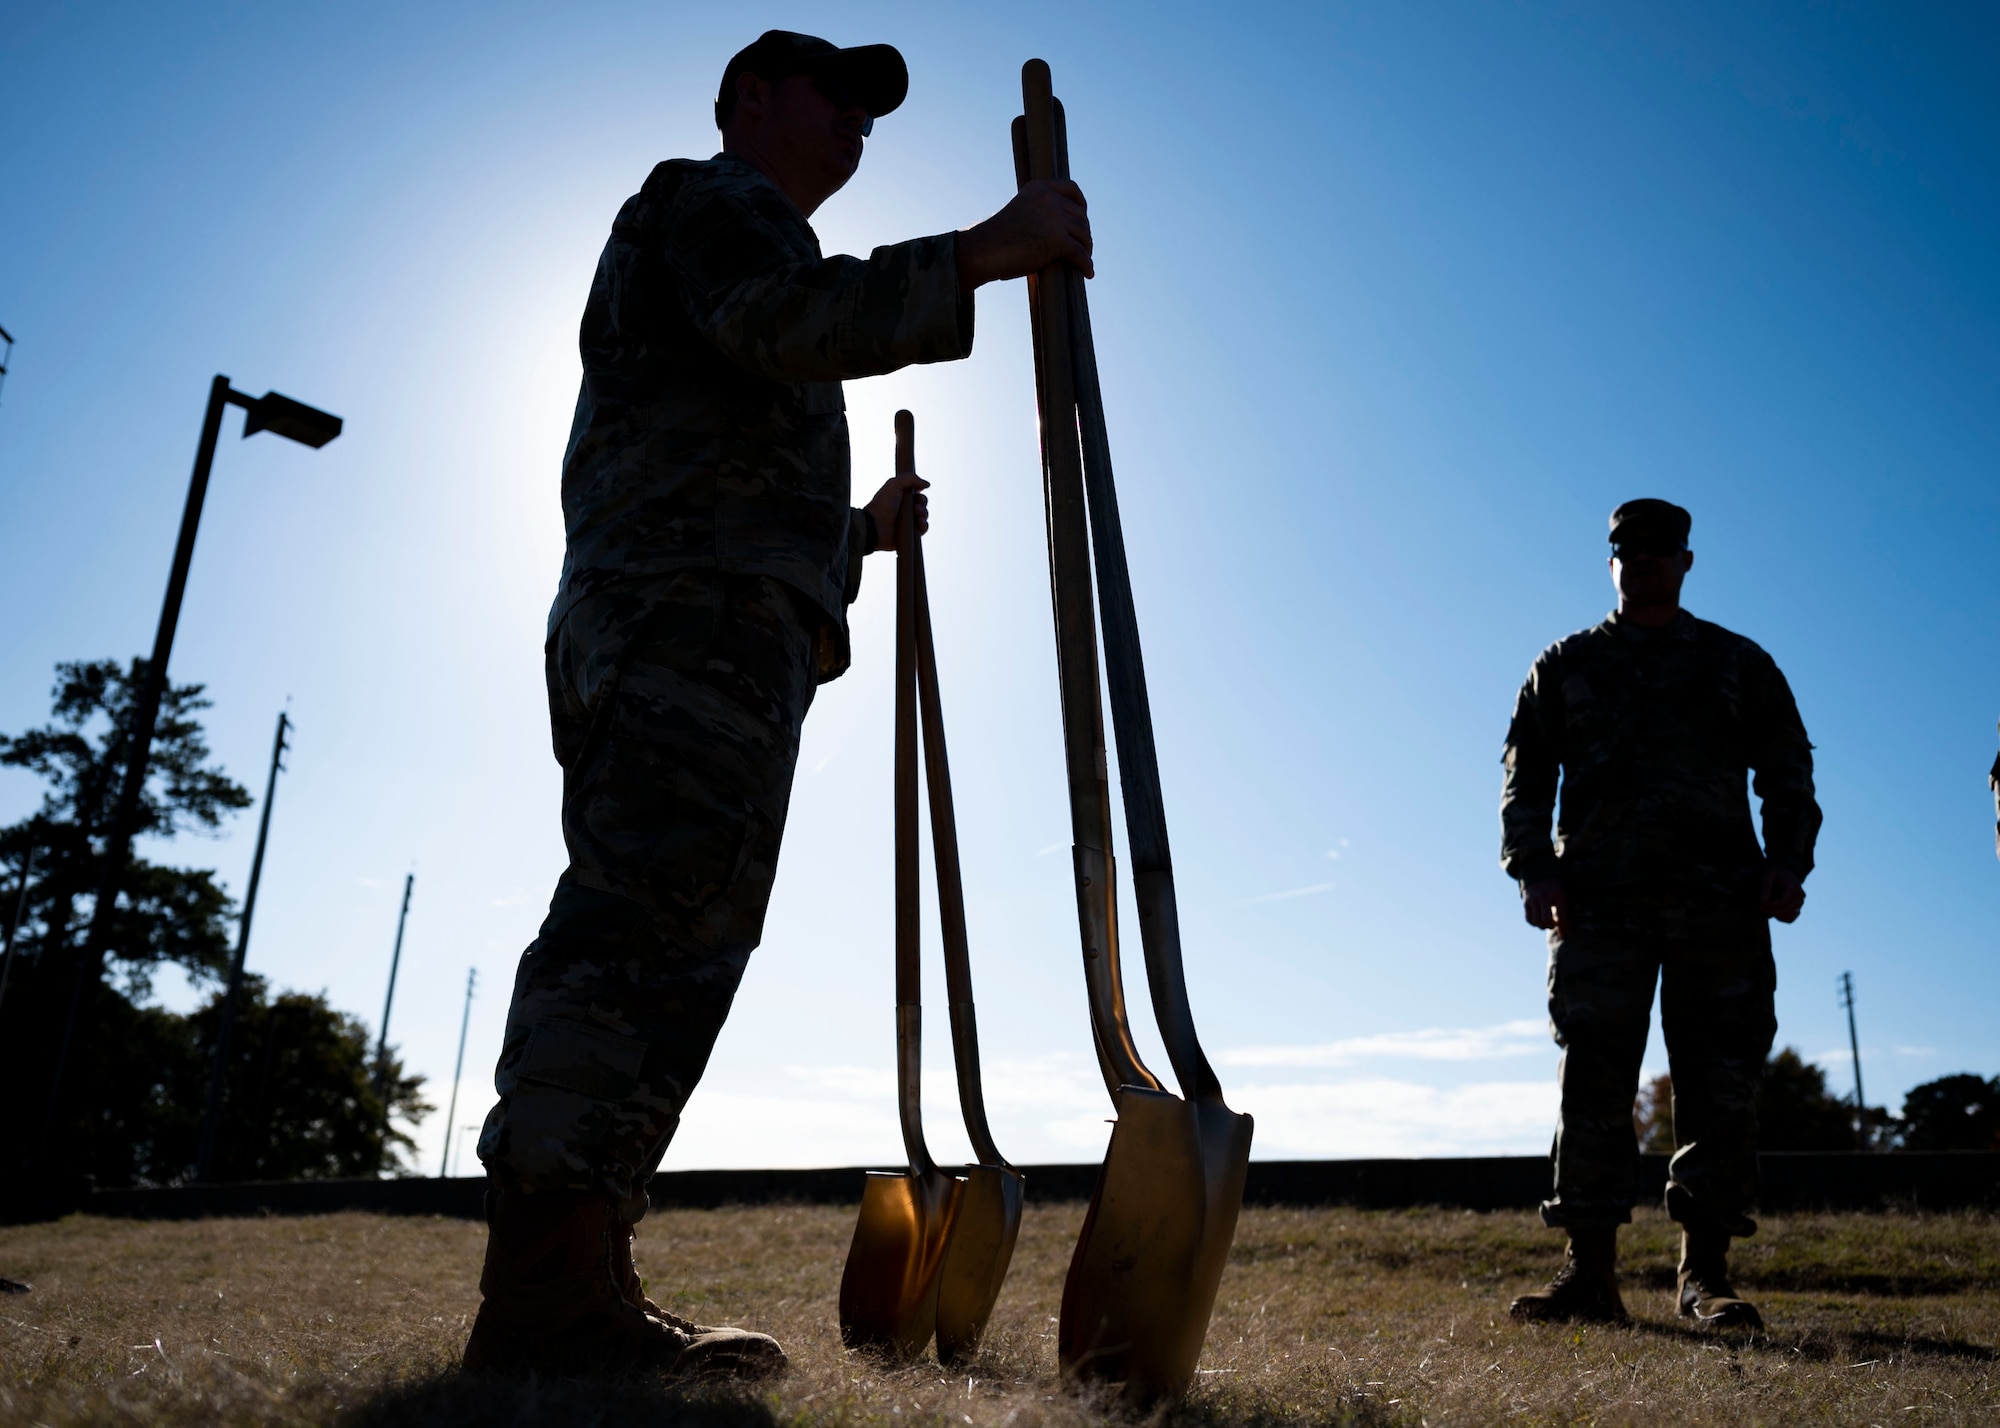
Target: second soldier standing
pixel 1652 723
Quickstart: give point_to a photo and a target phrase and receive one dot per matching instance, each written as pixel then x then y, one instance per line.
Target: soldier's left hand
pixel 1783 895
pixel 887 504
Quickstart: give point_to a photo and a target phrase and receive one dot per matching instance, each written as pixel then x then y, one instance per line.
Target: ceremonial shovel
pixel 1143 1279
pixel 930 1250
pixel 989 1211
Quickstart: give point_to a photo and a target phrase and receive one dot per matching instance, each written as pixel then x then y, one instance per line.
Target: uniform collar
pixel 1680 628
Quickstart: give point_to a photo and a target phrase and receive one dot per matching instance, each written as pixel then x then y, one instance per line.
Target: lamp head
pixel 295 420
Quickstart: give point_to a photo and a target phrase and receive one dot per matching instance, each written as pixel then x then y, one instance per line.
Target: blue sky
pixel 1394 304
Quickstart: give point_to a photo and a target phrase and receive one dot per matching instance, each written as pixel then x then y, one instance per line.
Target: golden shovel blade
pixel 975 1262
pixel 889 1290
pixel 1143 1279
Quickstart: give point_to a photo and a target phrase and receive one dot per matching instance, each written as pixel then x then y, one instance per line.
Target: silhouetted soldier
pixel 1653 721
pixel 712 555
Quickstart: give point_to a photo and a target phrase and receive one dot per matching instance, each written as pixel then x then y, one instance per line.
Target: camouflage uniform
pixel 1652 732
pixel 712 555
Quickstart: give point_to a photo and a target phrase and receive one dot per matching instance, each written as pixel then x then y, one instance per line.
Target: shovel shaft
pixel 1076 628
pixel 1132 720
pixel 1069 540
pixel 909 966
pixel 951 886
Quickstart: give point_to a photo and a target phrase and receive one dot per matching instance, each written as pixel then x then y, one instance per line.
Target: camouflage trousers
pixel 676 706
pixel 1717 981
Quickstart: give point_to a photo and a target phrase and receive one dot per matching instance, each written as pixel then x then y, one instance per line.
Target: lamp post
pixel 270 412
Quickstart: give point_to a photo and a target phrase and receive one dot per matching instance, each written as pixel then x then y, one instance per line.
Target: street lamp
pixel 270 412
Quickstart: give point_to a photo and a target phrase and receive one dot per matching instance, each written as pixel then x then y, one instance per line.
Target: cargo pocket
pixel 731 850
pixel 575 1057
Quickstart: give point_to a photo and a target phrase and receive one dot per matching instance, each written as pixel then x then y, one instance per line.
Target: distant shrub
pixel 1795 1110
pixel 1959 1112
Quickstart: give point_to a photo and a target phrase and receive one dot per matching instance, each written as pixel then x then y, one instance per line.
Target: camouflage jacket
pixel 710 431
pixel 1652 732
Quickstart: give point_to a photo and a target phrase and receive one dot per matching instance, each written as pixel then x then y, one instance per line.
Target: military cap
pixel 1649 522
pixel 872 76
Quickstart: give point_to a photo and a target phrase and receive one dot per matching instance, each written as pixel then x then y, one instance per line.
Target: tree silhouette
pixel 1795 1110
pixel 1959 1112
pixel 137 1074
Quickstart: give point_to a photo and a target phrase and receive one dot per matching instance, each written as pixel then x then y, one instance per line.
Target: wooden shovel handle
pixel 1076 630
pixel 951 886
pixel 1132 713
pixel 909 964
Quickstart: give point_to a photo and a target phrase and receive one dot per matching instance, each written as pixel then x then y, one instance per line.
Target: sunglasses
pixel 840 95
pixel 1658 550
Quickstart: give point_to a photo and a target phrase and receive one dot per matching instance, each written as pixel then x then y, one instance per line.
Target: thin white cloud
pixel 1290 893
pixel 722 1129
pixel 1379 1117
pixel 1053 1108
pixel 863 1083
pixel 1511 1038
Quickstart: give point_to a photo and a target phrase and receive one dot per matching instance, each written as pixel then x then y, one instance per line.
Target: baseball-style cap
pixel 873 76
pixel 1649 524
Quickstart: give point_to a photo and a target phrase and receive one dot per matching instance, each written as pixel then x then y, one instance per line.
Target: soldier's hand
pixel 885 505
pixel 1046 222
pixel 1782 895
pixel 1546 905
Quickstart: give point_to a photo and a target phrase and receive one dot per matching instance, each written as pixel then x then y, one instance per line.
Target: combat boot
pixel 633 1289
pixel 1703 1290
pixel 1586 1287
pixel 560 1296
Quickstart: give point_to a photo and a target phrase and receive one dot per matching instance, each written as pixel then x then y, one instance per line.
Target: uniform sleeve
pixel 1533 761
pixel 795 319
pixel 1993 781
pixel 860 545
pixel 1781 768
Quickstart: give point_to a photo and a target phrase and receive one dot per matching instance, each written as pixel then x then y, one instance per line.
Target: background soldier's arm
pixel 1993 780
pixel 813 320
pixel 1533 760
pixel 1781 757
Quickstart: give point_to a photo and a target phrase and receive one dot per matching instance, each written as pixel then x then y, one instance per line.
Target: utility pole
pixel 382 1045
pixel 20 908
pixel 457 1070
pixel 218 1071
pixel 1854 1045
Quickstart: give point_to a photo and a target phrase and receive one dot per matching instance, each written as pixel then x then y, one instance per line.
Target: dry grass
pixel 1327 1316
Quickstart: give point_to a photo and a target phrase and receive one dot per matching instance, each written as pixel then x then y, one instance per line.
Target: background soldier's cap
pixel 1650 524
pixel 874 76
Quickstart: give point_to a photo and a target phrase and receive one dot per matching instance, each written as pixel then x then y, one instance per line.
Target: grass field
pixel 1325 1316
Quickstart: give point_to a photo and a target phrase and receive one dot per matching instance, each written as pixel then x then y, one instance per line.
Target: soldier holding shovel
pixel 711 558
pixel 1653 721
